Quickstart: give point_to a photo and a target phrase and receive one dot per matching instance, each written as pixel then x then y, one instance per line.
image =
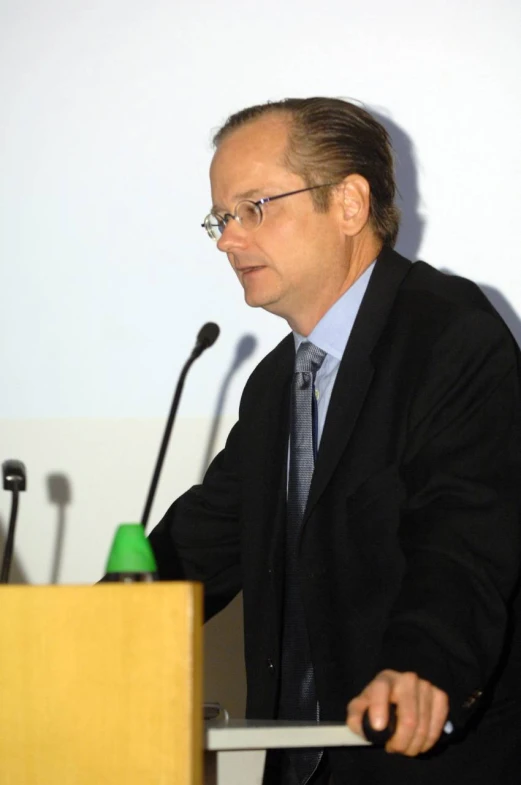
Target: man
pixel 367 501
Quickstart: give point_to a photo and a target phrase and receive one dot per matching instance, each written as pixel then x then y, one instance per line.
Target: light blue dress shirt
pixel 331 334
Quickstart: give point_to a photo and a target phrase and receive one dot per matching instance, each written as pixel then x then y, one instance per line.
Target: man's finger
pixel 355 711
pixel 379 699
pixel 376 698
pixel 439 713
pixel 406 696
pixel 425 692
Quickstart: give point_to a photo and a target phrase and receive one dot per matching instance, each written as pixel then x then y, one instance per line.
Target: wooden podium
pixel 101 685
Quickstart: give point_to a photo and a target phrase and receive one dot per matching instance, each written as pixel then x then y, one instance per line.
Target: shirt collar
pixel 332 332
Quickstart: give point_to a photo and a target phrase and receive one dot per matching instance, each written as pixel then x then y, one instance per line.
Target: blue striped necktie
pixel 298 699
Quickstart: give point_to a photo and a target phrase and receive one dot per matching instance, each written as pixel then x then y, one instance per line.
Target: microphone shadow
pixel 59 493
pixel 224 674
pixel 243 351
pixel 16 573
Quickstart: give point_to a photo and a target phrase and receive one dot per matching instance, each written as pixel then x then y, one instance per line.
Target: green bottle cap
pixel 131 551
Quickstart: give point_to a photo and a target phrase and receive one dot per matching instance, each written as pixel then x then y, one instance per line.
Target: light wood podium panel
pixel 101 685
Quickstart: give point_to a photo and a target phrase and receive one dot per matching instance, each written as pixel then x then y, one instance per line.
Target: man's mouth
pixel 248 270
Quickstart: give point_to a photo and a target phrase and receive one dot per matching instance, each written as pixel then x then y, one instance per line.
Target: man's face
pixel 295 264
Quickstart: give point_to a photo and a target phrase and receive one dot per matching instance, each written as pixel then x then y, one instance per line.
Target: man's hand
pixel 421 709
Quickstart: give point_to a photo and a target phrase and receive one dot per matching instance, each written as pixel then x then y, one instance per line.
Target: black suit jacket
pixel 410 549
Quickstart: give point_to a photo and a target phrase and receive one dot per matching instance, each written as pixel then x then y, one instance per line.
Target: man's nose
pixel 234 237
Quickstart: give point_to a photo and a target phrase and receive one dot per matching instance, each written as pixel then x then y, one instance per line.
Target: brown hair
pixel 330 139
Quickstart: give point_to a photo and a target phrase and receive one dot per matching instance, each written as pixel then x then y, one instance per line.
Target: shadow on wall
pixel 501 304
pixel 243 351
pixel 224 672
pixel 16 573
pixel 412 222
pixel 504 309
pixel 58 493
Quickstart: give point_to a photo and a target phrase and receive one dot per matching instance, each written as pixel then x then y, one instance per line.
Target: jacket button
pixel 271 666
pixel 472 699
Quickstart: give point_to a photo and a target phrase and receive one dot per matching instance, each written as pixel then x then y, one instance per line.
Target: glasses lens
pixel 248 214
pixel 214 225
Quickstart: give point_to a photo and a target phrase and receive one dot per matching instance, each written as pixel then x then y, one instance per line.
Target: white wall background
pixel 106 110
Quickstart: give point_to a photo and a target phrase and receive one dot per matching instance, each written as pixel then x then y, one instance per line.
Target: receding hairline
pixel 282 118
pixel 284 115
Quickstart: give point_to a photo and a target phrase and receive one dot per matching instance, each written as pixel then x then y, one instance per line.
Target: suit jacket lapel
pixel 273 446
pixel 270 439
pixel 356 368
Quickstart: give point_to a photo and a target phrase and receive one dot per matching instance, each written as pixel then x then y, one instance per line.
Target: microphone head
pixel 208 335
pixel 14 475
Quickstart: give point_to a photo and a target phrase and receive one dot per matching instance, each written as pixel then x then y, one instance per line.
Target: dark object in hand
pixel 379 737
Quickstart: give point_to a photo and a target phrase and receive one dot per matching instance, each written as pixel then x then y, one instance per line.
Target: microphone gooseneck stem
pixel 206 337
pixel 8 551
pixel 165 440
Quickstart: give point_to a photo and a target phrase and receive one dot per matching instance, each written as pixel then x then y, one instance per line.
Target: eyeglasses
pixel 248 214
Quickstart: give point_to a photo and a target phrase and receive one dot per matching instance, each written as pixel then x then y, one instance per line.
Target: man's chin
pixel 271 306
pixel 257 300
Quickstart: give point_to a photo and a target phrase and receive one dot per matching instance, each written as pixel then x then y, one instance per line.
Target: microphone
pixel 15 480
pixel 206 337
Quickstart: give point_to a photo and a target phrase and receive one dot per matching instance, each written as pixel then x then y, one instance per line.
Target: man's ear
pixel 355 203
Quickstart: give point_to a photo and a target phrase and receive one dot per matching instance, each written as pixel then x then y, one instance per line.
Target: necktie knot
pixel 309 358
